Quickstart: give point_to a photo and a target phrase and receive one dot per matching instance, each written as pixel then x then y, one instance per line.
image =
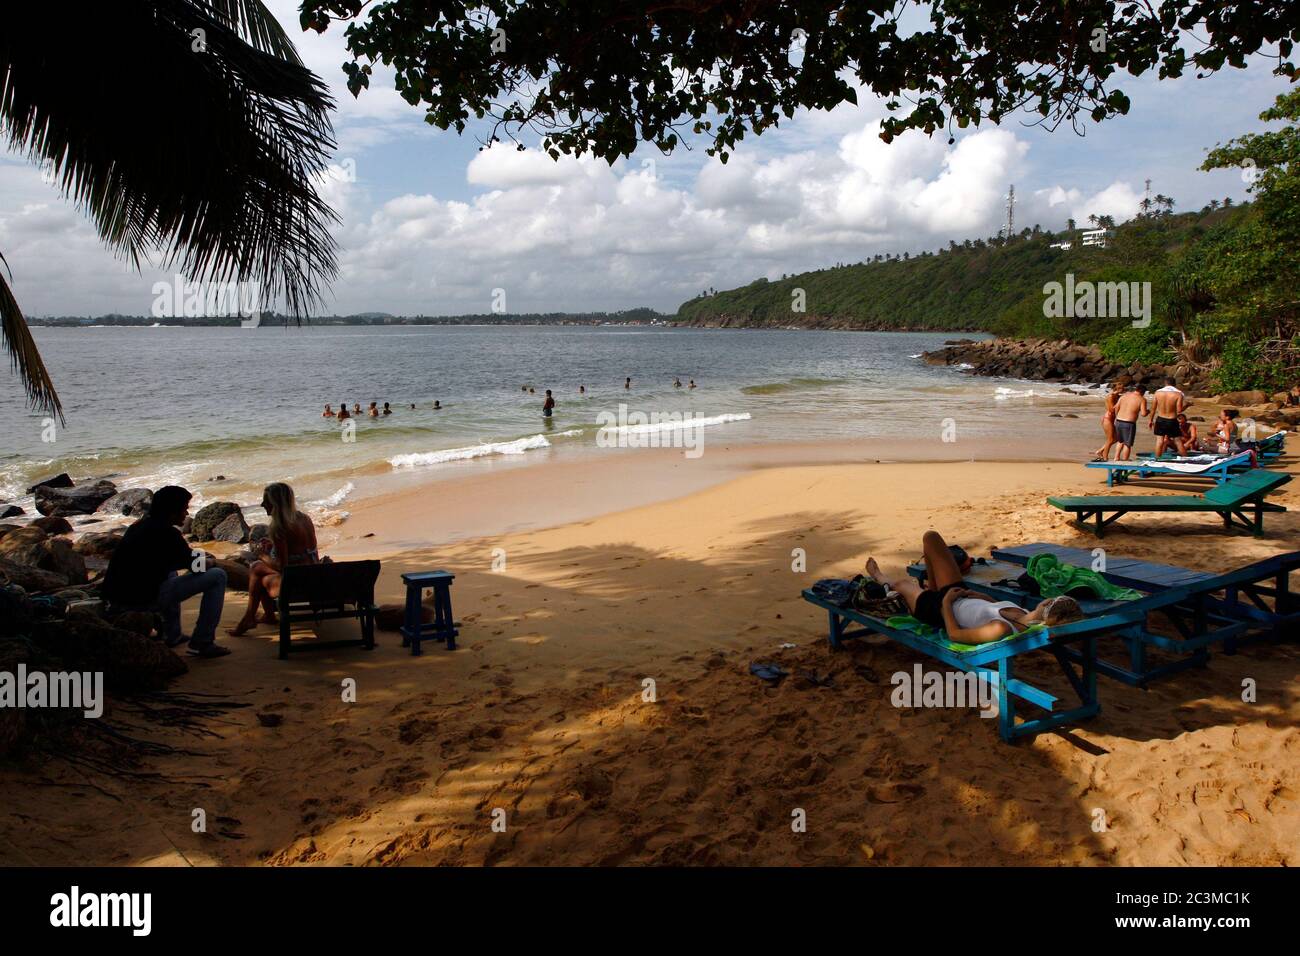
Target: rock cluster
pixel 1060 361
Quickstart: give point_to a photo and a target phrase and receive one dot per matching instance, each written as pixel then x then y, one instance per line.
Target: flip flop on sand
pixel 771 673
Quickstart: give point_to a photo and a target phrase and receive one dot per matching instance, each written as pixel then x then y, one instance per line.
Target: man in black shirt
pixel 142 574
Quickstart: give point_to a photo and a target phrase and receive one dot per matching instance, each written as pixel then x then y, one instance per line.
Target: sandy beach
pixel 540 718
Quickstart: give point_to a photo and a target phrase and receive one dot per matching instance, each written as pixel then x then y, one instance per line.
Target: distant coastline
pixel 640 316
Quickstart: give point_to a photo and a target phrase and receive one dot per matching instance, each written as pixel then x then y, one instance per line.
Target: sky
pixel 433 224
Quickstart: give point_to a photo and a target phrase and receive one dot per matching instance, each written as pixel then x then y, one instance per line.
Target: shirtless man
pixel 1169 403
pixel 1131 406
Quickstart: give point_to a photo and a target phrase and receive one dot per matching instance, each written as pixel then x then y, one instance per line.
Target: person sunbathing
pixel 968 616
pixel 290 540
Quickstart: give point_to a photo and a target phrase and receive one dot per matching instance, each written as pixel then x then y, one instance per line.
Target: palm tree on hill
pixel 187 130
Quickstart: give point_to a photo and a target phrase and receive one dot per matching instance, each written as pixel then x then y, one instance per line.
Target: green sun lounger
pixel 1070 644
pixel 1232 500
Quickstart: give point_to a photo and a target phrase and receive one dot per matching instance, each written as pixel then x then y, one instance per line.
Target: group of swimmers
pixel 548 404
pixel 373 411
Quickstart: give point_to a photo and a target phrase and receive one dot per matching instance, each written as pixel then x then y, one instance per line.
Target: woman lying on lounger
pixel 968 616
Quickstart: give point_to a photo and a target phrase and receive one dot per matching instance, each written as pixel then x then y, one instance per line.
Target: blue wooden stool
pixel 443 627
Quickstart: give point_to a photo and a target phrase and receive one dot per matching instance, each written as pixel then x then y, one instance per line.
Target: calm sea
pixel 151 406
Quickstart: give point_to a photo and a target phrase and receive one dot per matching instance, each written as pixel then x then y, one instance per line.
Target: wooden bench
pixel 1231 500
pixel 333 590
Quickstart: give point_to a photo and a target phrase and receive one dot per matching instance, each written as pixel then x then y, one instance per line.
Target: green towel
pixel 1055 579
pixel 905 622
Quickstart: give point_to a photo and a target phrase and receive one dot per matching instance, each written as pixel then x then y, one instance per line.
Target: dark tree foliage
pixel 601 76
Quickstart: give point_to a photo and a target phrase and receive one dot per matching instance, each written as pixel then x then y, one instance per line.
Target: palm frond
pixel 24 358
pixel 187 128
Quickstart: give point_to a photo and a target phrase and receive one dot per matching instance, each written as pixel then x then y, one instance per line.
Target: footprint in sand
pixel 895 792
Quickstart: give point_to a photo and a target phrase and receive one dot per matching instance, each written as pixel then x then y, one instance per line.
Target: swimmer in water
pixel 692 385
pixel 328 413
pixel 677 383
pixel 582 389
pixel 437 405
pixel 373 410
pixel 548 405
pixel 387 410
pixel 356 408
pixel 343 411
pixel 628 383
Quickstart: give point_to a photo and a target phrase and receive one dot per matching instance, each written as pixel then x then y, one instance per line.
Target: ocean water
pixel 151 406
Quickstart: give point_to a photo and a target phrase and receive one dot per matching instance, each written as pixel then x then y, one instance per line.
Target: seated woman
pixel 291 540
pixel 1191 437
pixel 968 616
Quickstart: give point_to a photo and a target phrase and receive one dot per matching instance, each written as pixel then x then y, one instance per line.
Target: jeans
pixel 178 588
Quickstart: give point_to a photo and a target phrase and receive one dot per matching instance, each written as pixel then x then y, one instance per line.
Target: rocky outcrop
pixel 209 516
pixel 1060 361
pixel 58 481
pixel 134 503
pixel 9 511
pixel 233 529
pixel 63 501
pixel 54 524
pixel 99 544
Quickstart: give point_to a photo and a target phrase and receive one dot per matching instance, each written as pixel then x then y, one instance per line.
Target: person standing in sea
pixel 549 405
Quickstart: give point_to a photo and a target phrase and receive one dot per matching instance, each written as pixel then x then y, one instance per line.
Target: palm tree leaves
pixel 187 128
pixel 23 356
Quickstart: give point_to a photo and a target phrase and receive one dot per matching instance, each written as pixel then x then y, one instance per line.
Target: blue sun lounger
pixel 1070 644
pixel 1218 468
pixel 1206 609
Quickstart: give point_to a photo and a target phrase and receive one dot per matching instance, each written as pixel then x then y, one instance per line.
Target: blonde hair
pixel 282 509
pixel 1061 610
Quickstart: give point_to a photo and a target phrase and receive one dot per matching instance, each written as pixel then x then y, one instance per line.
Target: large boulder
pixel 24 546
pixel 130 662
pixel 7 528
pixel 99 544
pixel 58 556
pixel 134 503
pixel 77 500
pixel 209 516
pixel 1243 398
pixel 54 524
pixel 58 481
pixel 233 529
pixel 29 578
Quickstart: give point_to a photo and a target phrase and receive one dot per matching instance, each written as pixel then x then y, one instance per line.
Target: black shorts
pixel 929 605
pixel 1168 428
pixel 1125 432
